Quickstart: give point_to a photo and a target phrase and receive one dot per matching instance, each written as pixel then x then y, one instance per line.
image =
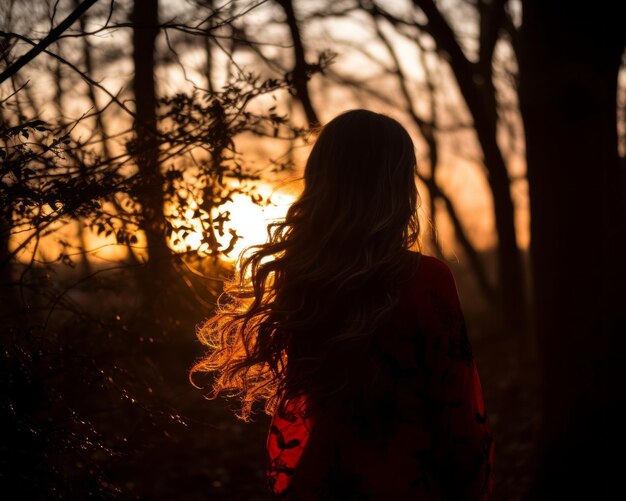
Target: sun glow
pixel 247 219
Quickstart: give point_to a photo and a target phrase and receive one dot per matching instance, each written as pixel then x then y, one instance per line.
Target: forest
pixel 145 143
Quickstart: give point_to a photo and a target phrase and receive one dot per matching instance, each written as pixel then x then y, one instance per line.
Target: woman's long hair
pixel 302 308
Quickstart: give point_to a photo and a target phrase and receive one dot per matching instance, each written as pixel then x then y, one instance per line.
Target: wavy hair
pixel 301 309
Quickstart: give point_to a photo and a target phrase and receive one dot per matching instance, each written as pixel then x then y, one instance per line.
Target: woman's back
pixel 421 433
pixel 360 341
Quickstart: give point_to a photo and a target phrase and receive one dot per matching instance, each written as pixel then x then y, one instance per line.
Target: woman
pixel 356 343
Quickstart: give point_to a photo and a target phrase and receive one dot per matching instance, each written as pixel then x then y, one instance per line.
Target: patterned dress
pixel 425 436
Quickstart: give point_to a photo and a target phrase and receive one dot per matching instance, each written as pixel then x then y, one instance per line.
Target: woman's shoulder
pixel 434 275
pixel 431 267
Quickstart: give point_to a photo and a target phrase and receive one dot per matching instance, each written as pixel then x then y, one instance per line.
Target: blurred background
pixel 145 143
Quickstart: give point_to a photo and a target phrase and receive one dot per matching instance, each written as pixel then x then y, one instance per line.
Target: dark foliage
pixel 96 402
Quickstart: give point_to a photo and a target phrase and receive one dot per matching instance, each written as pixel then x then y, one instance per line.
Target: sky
pixel 360 57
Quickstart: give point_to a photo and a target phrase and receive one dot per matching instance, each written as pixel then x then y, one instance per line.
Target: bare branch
pixel 49 38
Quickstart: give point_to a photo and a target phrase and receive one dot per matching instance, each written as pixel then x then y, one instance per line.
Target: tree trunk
pixel 9 300
pixel 479 95
pixel 150 194
pixel 427 129
pixel 569 60
pixel 511 281
pixel 9 303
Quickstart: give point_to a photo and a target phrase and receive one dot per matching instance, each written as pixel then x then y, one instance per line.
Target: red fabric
pixel 289 433
pixel 431 439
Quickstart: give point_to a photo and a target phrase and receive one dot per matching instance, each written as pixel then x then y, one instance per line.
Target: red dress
pixel 428 437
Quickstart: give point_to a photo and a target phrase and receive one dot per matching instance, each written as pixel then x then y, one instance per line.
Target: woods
pixel 131 129
pixel 576 184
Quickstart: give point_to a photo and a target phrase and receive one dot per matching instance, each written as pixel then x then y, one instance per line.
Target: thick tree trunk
pixel 569 59
pixel 150 194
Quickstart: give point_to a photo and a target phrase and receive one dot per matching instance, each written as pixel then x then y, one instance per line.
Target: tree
pixel 475 81
pixel 301 70
pixel 145 149
pixel 429 129
pixel 80 359
pixel 472 69
pixel 569 58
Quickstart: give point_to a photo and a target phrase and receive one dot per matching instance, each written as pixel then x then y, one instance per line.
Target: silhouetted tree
pixel 159 276
pixel 301 70
pixel 429 129
pixel 475 81
pixel 88 388
pixel 569 57
pixel 472 66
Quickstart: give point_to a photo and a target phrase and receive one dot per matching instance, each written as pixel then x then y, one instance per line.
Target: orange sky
pixel 459 173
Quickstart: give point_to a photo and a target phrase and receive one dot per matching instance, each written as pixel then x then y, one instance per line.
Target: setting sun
pixel 248 219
